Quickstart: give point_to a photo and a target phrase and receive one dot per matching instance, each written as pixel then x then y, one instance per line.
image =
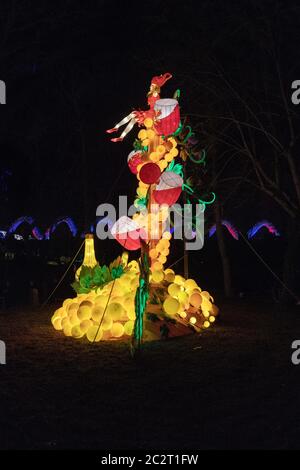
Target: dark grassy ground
pixel 233 386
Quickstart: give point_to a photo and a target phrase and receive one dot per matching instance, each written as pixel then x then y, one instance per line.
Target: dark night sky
pixel 73 69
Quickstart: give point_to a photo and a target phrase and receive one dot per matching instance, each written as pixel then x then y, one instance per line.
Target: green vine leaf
pixel 86 281
pixel 117 272
pixel 98 277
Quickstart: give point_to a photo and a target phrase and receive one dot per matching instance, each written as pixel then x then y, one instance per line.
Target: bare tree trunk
pixel 290 261
pixel 227 279
pixel 223 251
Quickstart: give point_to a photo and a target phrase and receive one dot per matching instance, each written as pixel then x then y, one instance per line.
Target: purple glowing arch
pixel 25 219
pixel 62 220
pixel 231 229
pixel 259 225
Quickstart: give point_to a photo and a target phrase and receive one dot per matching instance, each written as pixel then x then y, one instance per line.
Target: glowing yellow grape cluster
pixel 160 252
pixel 109 313
pixel 161 151
pixel 186 300
pixel 112 306
pixel 170 153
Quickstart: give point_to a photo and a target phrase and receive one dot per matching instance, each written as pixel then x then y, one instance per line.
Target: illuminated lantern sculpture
pixel 134 160
pixel 149 173
pixel 168 189
pixel 168 116
pixel 122 299
pixel 89 259
pixel 128 233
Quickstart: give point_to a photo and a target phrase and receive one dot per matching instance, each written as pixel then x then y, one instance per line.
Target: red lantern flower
pixel 128 233
pixel 168 189
pixel 168 116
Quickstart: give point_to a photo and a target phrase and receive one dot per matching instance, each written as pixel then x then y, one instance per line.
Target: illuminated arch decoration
pixel 37 233
pixel 230 227
pixel 259 225
pixel 62 220
pixel 25 219
pixel 16 224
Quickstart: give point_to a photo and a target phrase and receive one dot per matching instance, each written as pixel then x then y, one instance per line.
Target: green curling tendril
pixel 201 160
pixel 187 189
pixel 178 130
pixel 206 203
pixel 189 134
pixel 203 207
